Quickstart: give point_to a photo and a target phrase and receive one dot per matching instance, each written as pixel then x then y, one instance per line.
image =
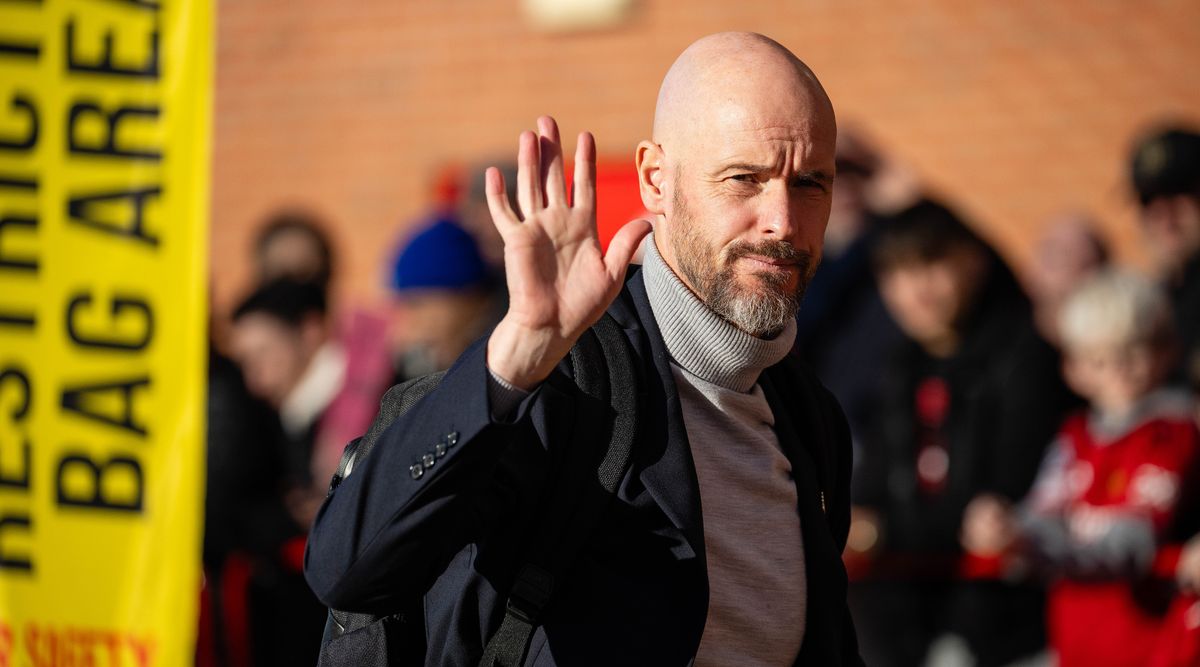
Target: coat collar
pixel 663 461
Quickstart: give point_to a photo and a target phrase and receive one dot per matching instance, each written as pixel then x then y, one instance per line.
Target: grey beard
pixel 762 314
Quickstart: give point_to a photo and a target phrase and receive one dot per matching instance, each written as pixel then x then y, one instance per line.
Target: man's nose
pixel 777 219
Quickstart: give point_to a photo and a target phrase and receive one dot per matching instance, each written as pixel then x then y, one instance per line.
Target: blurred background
pixel 1015 110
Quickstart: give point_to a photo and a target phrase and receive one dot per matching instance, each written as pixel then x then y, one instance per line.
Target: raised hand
pixel 559 280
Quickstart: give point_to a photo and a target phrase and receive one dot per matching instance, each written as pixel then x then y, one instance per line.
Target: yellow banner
pixel 104 153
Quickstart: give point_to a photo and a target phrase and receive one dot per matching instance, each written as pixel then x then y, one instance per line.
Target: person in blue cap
pixel 443 297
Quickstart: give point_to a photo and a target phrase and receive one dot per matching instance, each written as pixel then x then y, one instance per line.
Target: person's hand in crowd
pixel 1187 571
pixel 989 528
pixel 864 537
pixel 864 542
pixel 559 280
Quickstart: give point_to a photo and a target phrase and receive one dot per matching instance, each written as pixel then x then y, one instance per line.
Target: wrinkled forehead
pixel 755 118
pixel 774 133
pixel 742 98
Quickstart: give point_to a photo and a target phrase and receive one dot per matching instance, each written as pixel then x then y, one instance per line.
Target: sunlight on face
pixel 755 285
pixel 740 171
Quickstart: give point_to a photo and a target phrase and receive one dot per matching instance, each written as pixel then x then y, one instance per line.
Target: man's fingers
pixel 552 162
pixel 497 199
pixel 622 247
pixel 584 193
pixel 529 173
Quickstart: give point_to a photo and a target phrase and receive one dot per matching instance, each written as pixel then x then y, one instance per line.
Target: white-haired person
pixel 1111 484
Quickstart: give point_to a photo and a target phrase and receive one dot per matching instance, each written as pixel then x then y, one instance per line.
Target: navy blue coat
pixel 638 593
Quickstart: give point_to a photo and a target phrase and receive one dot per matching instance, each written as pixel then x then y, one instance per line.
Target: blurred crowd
pixel 1027 461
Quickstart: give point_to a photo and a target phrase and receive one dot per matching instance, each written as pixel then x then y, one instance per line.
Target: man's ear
pixel 649 163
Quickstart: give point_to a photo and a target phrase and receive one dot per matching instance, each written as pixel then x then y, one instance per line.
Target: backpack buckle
pixel 530 593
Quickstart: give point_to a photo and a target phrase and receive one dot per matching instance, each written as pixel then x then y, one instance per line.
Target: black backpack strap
pixel 398 400
pixel 602 361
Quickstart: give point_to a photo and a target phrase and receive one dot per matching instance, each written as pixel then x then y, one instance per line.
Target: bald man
pixel 722 544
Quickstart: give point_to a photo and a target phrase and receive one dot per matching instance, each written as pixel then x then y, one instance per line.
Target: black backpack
pixel 600 360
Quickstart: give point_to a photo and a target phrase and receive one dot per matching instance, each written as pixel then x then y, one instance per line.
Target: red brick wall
pixel 1016 110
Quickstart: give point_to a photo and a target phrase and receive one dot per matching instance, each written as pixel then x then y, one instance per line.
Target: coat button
pixel 439 450
pixel 427 460
pixel 451 438
pixel 416 470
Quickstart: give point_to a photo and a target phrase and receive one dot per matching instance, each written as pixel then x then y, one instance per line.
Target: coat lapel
pixel 663 461
pixel 795 419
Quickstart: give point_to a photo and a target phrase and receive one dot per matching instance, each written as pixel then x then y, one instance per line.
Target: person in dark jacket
pixel 1165 174
pixel 1165 171
pixel 246 522
pixel 442 298
pixel 722 544
pixel 968 404
pixel 279 340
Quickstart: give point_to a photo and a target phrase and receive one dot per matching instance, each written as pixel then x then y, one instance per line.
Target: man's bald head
pixel 736 69
pixel 739 175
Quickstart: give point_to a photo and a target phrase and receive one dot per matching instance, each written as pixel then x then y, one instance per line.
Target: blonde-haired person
pixel 1112 481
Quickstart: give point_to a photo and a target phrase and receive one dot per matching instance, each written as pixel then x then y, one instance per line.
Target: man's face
pixel 272 356
pixel 750 199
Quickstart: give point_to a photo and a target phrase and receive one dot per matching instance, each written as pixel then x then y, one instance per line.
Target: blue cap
pixel 439 256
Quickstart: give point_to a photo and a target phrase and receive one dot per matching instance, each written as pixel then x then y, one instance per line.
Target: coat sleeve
pixel 392 526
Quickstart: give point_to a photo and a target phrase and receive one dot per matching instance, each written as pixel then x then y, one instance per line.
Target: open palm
pixel 559 279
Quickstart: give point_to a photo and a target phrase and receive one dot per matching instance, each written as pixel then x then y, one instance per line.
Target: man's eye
pixel 744 178
pixel 807 183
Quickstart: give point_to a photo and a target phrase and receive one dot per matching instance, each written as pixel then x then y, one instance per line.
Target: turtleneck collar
pixel 699 340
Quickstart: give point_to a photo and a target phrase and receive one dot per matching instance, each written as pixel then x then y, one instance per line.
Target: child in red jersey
pixel 1110 483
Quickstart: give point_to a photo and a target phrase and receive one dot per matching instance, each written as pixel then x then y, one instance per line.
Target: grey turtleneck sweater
pixel 752 540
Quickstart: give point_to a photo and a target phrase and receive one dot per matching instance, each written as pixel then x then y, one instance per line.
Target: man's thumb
pixel 624 243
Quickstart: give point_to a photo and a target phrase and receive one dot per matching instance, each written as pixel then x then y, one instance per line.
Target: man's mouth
pixel 779 263
pixel 772 262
